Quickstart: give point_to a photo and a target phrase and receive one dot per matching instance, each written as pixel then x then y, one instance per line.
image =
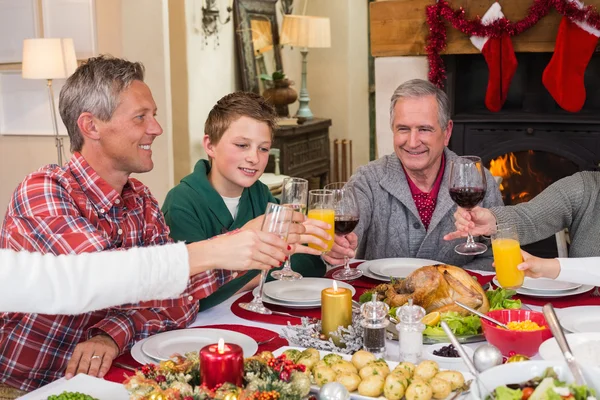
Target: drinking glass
pixel 320 207
pixel 467 189
pixel 294 195
pixel 346 219
pixel 507 255
pixel 277 220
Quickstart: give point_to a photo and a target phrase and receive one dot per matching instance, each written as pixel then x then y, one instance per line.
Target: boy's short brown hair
pixel 235 105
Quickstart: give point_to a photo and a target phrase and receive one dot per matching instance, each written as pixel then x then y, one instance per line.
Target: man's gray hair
pixel 420 88
pixel 95 87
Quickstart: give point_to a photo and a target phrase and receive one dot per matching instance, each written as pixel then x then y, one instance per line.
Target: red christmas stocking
pixel 500 58
pixel 563 77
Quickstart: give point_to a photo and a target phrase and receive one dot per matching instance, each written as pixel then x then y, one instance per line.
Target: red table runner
pixel 118 375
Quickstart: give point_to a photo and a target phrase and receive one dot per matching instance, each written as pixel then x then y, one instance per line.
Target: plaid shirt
pixel 73 210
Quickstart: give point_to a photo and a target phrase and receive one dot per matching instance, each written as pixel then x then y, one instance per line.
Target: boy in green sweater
pixel 225 194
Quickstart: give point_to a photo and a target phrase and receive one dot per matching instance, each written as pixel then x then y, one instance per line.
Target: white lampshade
pixel 306 31
pixel 48 58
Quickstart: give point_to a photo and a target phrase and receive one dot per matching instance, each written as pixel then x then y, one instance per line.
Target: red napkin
pixel 118 375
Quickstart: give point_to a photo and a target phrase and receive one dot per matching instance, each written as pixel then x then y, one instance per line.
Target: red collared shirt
pixel 72 210
pixel 426 202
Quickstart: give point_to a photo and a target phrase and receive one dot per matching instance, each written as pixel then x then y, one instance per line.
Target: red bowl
pixel 519 342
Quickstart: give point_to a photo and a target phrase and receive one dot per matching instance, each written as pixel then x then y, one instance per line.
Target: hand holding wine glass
pixel 294 195
pixel 467 189
pixel 277 220
pixel 346 218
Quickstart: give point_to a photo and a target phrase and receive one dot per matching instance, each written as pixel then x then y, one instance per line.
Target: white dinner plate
pixel 163 345
pixel 298 306
pixel 306 290
pixel 139 356
pixel 548 285
pixel 535 293
pixel 364 267
pixel 580 319
pixel 397 267
pixel 354 395
pixel 82 383
pixel 585 348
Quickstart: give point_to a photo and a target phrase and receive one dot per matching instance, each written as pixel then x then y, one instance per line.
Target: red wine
pixel 467 197
pixel 344 224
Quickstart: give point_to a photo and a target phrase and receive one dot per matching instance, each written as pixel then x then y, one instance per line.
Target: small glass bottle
pixel 410 331
pixel 374 323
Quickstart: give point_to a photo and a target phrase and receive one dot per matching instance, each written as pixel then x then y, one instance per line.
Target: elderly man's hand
pixel 344 246
pixel 93 357
pixel 478 221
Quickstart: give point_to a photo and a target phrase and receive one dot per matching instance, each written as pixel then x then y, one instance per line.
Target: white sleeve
pixel 75 284
pixel 584 270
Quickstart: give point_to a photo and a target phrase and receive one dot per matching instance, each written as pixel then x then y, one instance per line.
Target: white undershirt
pixel 232 204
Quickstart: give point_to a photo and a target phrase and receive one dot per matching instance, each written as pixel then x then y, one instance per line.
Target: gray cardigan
pixel 390 225
pixel 572 202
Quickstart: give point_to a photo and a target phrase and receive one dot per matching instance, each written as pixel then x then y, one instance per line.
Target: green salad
pixel 545 387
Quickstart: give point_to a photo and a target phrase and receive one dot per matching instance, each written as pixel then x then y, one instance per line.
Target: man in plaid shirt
pixel 91 204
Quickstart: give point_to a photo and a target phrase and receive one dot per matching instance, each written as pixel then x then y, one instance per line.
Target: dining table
pixel 269 328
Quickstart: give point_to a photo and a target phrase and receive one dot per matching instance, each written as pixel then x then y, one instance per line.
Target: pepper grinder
pixel 410 331
pixel 374 323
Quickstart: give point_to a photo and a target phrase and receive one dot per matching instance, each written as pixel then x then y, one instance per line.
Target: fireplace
pixel 531 142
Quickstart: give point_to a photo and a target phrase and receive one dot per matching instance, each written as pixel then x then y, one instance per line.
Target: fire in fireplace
pixel 527 173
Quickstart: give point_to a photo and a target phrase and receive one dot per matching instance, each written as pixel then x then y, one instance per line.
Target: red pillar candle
pixel 220 363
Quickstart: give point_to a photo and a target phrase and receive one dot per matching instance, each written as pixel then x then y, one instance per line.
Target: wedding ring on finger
pixel 95 356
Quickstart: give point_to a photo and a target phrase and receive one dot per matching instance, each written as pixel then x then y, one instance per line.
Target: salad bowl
pixel 520 372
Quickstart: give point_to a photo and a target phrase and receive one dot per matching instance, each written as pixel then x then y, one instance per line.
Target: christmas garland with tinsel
pixel 265 378
pixel 437 13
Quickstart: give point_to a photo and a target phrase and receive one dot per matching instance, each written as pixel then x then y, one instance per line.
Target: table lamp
pixel 305 31
pixel 49 59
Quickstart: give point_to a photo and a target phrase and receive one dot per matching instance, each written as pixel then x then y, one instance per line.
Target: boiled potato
pixel 362 358
pixel 309 358
pixel 455 378
pixel 292 354
pixel 440 388
pixel 418 390
pixel 320 363
pixel 374 368
pixel 349 380
pixel 332 358
pixel 371 386
pixel 343 367
pixel 400 375
pixel 324 375
pixel 394 386
pixel 407 367
pixel 426 370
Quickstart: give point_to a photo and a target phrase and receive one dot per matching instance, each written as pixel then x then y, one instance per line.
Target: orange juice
pixel 327 216
pixel 507 255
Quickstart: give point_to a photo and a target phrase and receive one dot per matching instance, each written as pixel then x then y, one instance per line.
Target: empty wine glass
pixel 294 195
pixel 467 189
pixel 346 218
pixel 277 220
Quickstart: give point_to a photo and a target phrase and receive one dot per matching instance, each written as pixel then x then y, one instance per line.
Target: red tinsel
pixel 436 13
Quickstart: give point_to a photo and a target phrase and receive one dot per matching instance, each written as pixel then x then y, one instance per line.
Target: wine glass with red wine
pixel 467 189
pixel 346 219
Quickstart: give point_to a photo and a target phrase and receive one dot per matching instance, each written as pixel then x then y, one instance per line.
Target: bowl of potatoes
pixel 367 377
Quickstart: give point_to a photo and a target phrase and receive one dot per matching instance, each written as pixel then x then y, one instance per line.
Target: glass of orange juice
pixel 507 255
pixel 320 207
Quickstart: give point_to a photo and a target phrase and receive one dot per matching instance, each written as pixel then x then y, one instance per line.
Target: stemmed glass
pixel 294 195
pixel 277 220
pixel 467 189
pixel 346 219
pixel 320 207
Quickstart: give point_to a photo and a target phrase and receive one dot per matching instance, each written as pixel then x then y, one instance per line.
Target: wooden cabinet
pixel 304 150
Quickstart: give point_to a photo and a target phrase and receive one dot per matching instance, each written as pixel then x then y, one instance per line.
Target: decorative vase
pixel 281 95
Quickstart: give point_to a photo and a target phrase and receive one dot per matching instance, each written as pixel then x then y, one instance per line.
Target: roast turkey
pixel 435 288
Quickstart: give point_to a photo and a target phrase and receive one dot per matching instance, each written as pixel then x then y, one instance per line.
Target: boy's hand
pixel 343 246
pixel 255 224
pixel 536 267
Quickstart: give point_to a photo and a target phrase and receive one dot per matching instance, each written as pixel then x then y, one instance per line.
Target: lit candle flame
pixel 221 346
pixel 334 286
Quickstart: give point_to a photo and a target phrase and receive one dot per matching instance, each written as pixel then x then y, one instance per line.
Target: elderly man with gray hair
pixel 405 206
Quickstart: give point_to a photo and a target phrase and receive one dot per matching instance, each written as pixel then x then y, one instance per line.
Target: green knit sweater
pixel 195 211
